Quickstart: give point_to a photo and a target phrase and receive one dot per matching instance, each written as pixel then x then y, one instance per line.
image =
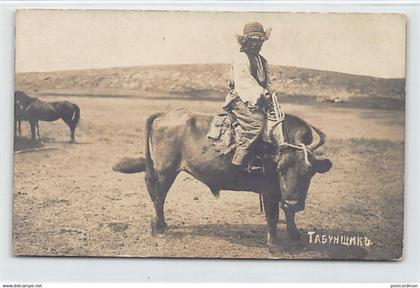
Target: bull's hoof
pixel 158 227
pixel 294 235
pixel 272 242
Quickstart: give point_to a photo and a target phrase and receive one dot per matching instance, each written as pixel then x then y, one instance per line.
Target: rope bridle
pixel 302 147
pixel 277 115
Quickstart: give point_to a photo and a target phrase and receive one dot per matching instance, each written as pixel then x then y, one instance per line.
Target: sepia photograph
pixel 187 134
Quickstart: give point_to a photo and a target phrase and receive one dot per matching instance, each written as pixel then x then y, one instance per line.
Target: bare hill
pixel 209 81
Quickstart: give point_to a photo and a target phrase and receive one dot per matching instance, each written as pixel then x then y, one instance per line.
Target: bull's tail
pixel 130 165
pixel 136 165
pixel 151 176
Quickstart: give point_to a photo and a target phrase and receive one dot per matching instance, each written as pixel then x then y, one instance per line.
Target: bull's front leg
pixel 292 230
pixel 271 209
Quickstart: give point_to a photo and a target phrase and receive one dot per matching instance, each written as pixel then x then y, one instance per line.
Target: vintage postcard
pixel 209 134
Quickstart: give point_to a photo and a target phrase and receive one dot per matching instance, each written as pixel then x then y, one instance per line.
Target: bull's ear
pixel 323 165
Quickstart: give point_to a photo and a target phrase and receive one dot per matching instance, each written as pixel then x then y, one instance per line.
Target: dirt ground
pixel 69 202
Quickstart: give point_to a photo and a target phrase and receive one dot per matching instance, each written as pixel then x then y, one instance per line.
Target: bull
pixel 176 141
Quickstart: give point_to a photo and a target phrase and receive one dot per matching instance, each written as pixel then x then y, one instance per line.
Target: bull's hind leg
pixel 158 190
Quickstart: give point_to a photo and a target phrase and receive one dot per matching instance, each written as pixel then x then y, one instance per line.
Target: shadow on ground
pixel 23 143
pixel 254 236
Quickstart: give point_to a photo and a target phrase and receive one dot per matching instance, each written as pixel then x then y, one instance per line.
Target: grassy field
pixel 69 202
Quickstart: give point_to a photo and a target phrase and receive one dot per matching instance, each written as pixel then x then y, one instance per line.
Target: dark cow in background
pixel 34 110
pixel 177 141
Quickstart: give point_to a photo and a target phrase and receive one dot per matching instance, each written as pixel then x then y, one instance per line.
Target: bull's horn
pixel 316 144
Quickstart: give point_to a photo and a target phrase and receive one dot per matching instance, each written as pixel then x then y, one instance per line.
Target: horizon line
pixel 191 64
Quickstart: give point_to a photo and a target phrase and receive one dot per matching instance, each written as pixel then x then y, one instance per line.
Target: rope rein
pixel 276 114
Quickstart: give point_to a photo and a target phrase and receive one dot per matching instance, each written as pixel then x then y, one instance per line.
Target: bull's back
pixel 184 126
pixel 182 123
pixel 176 135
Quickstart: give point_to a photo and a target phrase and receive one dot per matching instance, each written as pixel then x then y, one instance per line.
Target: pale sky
pixel 365 44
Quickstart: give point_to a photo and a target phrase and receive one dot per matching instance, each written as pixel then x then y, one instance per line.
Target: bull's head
pixel 296 166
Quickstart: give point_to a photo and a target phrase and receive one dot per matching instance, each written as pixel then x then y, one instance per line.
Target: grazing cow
pixel 177 141
pixel 35 110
